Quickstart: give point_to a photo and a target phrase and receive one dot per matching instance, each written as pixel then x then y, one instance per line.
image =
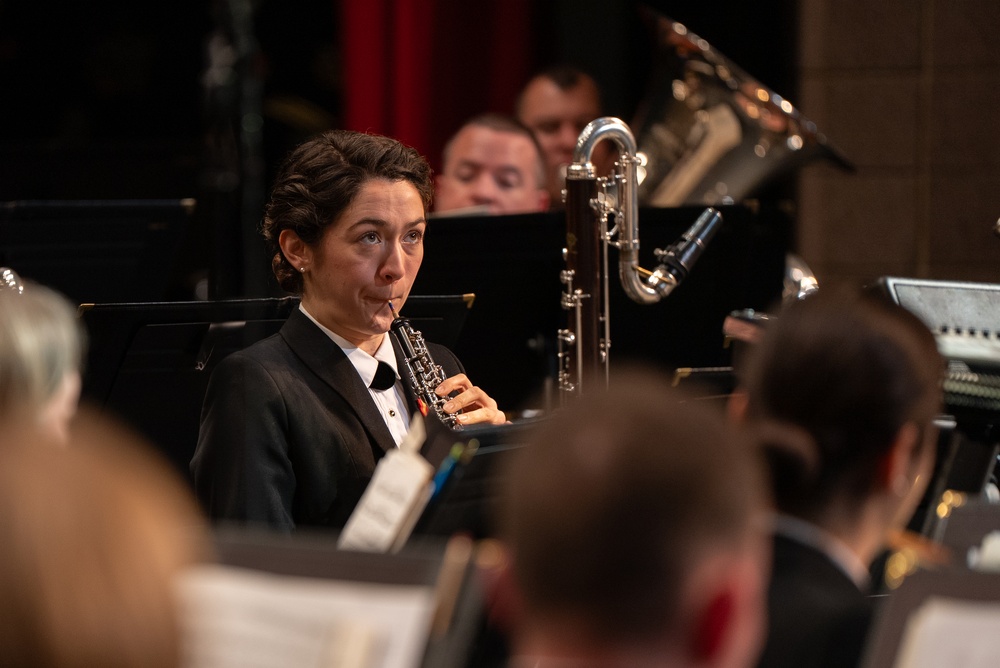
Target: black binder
pixel 96 250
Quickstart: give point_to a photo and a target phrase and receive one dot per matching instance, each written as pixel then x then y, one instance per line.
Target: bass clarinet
pixel 603 212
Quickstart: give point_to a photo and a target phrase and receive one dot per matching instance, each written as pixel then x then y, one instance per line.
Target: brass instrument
pixel 711 134
pixel 603 212
pixel 425 374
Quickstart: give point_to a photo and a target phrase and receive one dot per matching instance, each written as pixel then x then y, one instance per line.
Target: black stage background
pixel 110 102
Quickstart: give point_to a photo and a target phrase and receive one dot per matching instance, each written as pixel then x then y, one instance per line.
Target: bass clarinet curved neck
pixel 625 182
pixel 602 212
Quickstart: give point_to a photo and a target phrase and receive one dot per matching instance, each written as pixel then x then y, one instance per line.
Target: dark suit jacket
pixel 289 433
pixel 817 614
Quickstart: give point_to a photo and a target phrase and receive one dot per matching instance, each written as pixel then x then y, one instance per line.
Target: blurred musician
pixel 41 352
pixel 842 390
pixel 95 535
pixel 292 426
pixel 631 542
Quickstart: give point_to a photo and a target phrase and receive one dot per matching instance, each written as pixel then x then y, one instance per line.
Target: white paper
pixel 238 618
pixel 951 633
pixel 399 489
pixel 986 556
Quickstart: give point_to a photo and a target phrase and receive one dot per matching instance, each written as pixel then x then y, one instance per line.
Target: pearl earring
pixel 302 269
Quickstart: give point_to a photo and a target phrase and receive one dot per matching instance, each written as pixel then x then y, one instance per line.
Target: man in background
pixel 556 105
pixel 492 165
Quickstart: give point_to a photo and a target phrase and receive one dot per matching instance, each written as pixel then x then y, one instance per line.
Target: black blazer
pixel 289 433
pixel 817 614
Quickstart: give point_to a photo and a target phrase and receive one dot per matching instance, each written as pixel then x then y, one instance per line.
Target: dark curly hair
pixel 321 177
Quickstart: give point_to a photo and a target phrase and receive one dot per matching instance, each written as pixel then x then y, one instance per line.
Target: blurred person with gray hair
pixel 42 344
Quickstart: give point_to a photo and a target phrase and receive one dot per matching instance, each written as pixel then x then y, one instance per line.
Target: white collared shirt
pixel 391 403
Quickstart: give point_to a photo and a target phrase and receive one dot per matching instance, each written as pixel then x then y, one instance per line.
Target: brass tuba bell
pixel 710 134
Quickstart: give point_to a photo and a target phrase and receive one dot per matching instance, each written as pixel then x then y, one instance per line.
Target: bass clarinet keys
pixel 603 212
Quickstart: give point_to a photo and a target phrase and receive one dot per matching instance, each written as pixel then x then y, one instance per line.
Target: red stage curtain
pixel 416 69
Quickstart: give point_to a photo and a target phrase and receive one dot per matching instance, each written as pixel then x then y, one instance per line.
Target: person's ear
pixel 504 601
pixel 441 191
pixel 295 250
pixel 543 199
pixel 728 604
pixel 712 626
pixel 736 407
pixel 899 462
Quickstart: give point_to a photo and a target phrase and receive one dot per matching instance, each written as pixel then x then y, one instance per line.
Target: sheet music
pixel 238 618
pixel 392 502
pixel 399 490
pixel 953 633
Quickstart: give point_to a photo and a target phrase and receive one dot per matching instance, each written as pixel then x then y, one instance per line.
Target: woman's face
pixel 368 257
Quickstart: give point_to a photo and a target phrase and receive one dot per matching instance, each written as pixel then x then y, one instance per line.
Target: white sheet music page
pixel 953 633
pixel 398 492
pixel 238 618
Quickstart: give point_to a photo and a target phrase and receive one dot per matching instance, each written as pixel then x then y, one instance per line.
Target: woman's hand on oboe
pixel 475 404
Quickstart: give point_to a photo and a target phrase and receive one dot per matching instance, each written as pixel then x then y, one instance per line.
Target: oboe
pixel 425 374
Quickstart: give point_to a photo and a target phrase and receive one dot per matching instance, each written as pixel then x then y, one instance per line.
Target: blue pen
pixel 447 466
pixel 460 453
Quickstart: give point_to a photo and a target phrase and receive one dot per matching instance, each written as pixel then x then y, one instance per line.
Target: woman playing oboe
pixel 293 426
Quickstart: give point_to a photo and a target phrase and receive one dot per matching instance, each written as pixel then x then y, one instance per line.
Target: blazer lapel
pixel 327 360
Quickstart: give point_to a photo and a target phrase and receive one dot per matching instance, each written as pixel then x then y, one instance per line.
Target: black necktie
pixel 384 378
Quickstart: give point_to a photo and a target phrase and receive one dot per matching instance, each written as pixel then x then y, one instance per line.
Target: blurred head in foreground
pixel 631 524
pixel 41 353
pixel 93 536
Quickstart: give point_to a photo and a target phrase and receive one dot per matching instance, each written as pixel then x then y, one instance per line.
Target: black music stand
pixel 96 250
pixel 464 504
pixel 512 263
pixel 149 363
